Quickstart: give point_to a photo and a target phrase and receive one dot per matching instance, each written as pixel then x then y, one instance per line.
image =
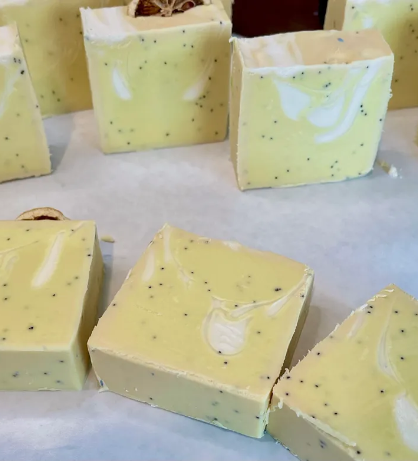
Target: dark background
pixel 265 17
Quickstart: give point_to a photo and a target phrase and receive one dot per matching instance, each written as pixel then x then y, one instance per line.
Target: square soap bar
pixel 203 328
pixel 159 81
pixel 398 22
pixel 50 280
pixel 355 395
pixel 52 40
pixel 23 147
pixel 308 107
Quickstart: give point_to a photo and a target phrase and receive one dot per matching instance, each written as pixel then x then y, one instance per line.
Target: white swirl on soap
pixel 7 261
pixel 383 358
pixel 297 103
pixel 225 336
pixel 232 245
pixel 120 85
pixel 355 101
pixel 149 266
pixel 359 321
pixel 50 262
pixel 277 306
pixel 293 101
pixel 196 90
pixel 406 416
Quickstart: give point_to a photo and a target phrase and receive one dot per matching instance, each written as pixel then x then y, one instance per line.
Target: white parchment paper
pixel 358 236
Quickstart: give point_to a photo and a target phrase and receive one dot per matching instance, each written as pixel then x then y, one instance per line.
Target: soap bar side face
pixel 227 4
pixel 88 320
pixel 176 391
pixel 303 439
pixel 23 145
pixel 163 87
pixel 52 39
pixel 398 22
pixel 236 93
pixel 44 327
pixel 357 388
pixel 239 308
pixel 310 124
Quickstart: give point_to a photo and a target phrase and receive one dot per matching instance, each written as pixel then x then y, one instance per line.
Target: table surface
pixel 358 236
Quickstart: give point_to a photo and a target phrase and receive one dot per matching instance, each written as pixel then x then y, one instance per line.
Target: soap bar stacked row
pixel 305 108
pixel 207 329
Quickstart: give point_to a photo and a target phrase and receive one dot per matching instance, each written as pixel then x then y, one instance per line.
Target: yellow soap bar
pixel 203 328
pixel 52 40
pixel 23 147
pixel 50 280
pixel 308 107
pixel 355 395
pixel 158 81
pixel 227 4
pixel 398 22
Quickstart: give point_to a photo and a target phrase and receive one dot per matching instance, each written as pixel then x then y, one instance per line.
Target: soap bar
pixel 52 40
pixel 50 280
pixel 355 395
pixel 23 146
pixel 227 4
pixel 158 81
pixel 398 22
pixel 308 107
pixel 203 328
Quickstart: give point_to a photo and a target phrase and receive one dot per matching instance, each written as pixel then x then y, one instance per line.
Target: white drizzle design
pixel 7 261
pixel 50 262
pixel 196 90
pixel 406 416
pixel 120 85
pixel 359 321
pixel 274 308
pixel 352 111
pixel 233 245
pixel 293 101
pixel 223 335
pixel 149 266
pixel 383 359
pixel 228 336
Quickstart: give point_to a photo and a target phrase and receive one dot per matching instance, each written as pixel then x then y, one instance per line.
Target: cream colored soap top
pixel 312 48
pixel 115 24
pixel 8 40
pixel 360 385
pixel 214 310
pixel 44 271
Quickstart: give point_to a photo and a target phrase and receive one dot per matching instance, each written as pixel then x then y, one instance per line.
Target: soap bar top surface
pixel 209 308
pixel 8 40
pixel 44 273
pixel 360 385
pixel 114 24
pixel 312 48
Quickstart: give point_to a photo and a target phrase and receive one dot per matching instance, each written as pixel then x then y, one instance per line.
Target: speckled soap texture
pixel 50 280
pixel 23 146
pixel 203 328
pixel 355 395
pixel 308 107
pixel 398 22
pixel 53 45
pixel 159 81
